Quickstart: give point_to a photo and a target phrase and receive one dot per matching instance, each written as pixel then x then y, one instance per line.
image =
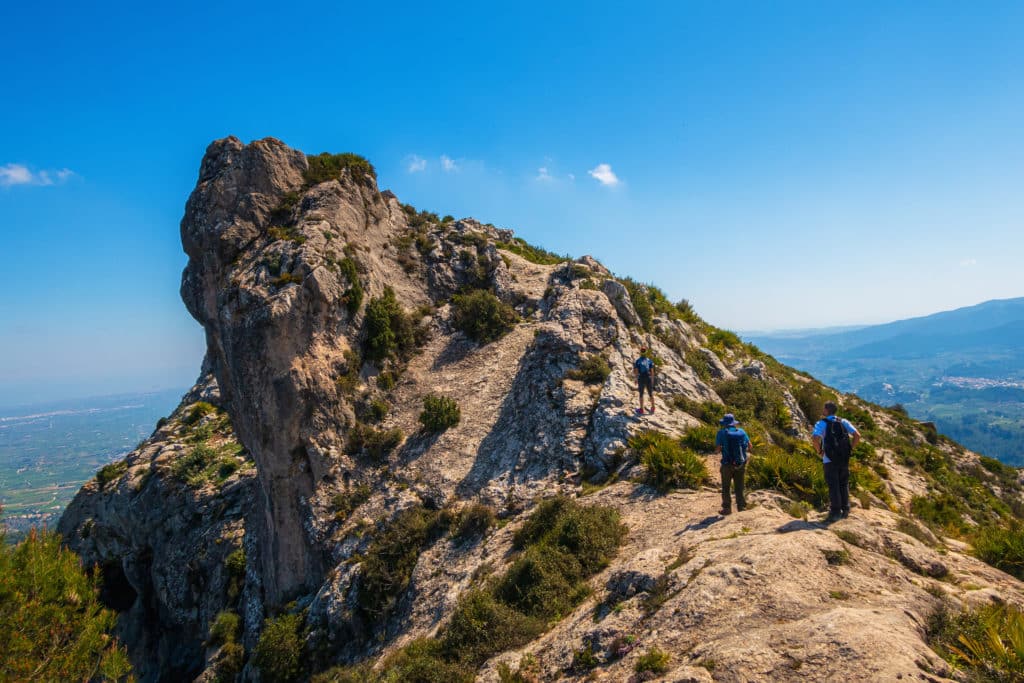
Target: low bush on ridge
pixel 669 465
pixel 481 316
pixel 593 369
pixel 439 413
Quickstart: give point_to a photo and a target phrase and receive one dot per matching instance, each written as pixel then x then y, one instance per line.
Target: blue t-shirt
pixel 722 438
pixel 644 365
pixel 819 430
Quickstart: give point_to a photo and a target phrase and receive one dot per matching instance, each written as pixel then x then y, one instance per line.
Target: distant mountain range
pixel 963 369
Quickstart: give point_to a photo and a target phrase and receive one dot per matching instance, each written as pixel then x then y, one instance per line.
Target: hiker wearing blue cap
pixel 733 444
pixel 644 369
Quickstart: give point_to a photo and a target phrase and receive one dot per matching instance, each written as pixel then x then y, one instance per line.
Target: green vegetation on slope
pixel 560 546
pixel 53 625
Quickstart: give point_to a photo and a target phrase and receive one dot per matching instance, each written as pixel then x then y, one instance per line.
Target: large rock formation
pixel 325 396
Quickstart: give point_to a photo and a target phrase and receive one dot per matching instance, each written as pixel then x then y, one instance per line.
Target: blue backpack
pixel 732 452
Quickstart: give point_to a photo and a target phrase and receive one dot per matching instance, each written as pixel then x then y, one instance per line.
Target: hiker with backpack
pixel 644 369
pixel 835 438
pixel 733 444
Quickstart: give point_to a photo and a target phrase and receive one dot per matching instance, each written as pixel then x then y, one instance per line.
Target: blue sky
pixel 793 164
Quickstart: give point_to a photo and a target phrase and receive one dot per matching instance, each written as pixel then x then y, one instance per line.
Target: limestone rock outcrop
pixel 331 311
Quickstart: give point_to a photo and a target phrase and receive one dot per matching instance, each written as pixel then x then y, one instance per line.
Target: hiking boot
pixel 844 514
pixel 725 511
pixel 639 411
pixel 832 518
pixel 651 410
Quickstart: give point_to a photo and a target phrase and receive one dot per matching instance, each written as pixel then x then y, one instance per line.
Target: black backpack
pixel 837 442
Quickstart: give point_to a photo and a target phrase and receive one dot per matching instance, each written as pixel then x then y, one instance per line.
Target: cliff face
pixel 324 385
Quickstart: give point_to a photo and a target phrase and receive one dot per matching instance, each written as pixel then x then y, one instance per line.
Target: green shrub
pixel 225 628
pixel 353 296
pixel 654 660
pixel 669 465
pixel 439 413
pixel 481 626
pixel 638 294
pixel 700 439
pixel 285 233
pixel 326 166
pixel 1003 548
pixel 374 443
pixel 387 380
pixel 422 661
pixel 206 464
pixel 751 398
pixel 940 510
pixel 111 472
pixel 279 653
pixel 229 663
pixel 686 312
pixel 988 644
pixel 567 541
pixel 390 559
pixel 707 412
pixel 696 360
pixel 721 340
pixel 377 410
pixel 796 475
pixel 563 543
pixel 285 279
pixel 811 398
pixel 474 521
pixel 836 557
pixel 531 253
pixel 344 504
pixel 198 411
pixel 234 566
pixel 1006 474
pixel 389 329
pixel 282 213
pixel 593 369
pixel 913 529
pixel 481 316
pixel 54 627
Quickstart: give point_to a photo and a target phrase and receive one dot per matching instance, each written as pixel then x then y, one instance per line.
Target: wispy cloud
pixel 415 164
pixel 969 263
pixel 604 175
pixel 448 164
pixel 543 175
pixel 19 174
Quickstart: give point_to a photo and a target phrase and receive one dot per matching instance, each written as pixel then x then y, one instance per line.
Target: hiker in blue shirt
pixel 835 438
pixel 644 369
pixel 733 444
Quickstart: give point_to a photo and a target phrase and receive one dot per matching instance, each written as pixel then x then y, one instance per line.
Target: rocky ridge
pixel 287 271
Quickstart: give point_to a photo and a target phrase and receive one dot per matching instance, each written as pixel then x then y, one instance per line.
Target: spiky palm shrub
pixel 669 465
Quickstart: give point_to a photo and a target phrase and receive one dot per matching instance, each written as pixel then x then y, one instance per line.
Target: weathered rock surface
pixel 272 264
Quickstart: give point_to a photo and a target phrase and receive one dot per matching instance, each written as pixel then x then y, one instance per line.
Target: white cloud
pixel 572 176
pixel 448 164
pixel 415 164
pixel 603 174
pixel 543 175
pixel 18 174
pixel 969 263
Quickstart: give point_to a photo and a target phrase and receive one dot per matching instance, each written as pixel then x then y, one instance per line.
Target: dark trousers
pixel 838 479
pixel 732 475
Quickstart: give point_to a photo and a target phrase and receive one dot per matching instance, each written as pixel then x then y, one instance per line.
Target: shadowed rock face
pixel 273 265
